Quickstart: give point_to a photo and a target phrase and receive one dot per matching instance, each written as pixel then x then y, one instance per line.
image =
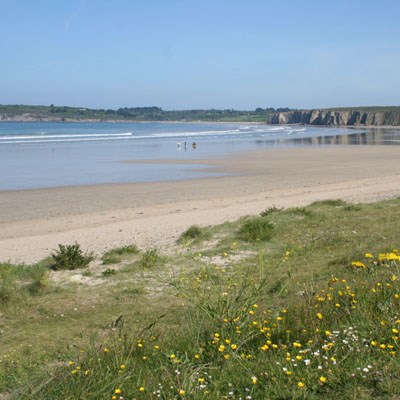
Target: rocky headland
pixel 338 117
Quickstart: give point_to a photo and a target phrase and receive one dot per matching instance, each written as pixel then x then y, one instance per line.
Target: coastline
pixel 100 217
pixel 233 122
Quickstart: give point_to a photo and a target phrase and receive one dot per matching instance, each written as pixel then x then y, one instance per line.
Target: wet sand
pixel 100 217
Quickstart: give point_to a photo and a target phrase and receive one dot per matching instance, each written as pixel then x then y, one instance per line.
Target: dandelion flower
pixel 323 379
pixel 301 384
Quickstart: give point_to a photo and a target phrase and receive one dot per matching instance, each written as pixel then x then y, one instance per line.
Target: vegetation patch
pixel 116 255
pixel 70 257
pixel 194 234
pixel 269 211
pixel 311 313
pixel 17 282
pixel 109 272
pixel 256 229
pixel 150 259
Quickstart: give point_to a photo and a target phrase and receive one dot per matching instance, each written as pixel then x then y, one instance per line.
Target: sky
pixel 184 54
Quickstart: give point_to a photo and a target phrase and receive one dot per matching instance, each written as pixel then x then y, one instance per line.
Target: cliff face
pixel 336 118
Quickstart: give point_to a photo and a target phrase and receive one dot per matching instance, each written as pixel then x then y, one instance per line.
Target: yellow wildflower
pixel 358 264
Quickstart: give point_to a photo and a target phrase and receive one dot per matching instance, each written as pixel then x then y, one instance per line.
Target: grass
pixel 194 234
pixel 313 312
pixel 255 229
pixel 118 254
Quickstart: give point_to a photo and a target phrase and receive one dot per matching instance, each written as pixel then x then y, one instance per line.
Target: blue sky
pixel 180 54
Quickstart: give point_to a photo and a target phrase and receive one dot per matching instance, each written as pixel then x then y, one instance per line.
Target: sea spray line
pixel 50 136
pixel 61 138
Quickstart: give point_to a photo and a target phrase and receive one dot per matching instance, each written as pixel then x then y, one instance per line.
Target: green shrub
pixel 115 256
pixel 191 233
pixel 109 272
pixel 150 259
pixel 70 257
pixel 255 229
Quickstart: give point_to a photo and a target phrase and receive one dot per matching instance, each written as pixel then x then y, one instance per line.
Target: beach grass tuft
pixel 118 254
pixel 194 234
pixel 150 259
pixel 256 229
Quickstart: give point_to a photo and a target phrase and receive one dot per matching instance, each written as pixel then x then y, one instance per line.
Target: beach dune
pixel 100 217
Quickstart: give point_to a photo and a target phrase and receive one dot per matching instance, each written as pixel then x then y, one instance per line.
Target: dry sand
pixel 100 217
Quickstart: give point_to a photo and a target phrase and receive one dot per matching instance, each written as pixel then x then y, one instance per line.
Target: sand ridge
pixel 100 217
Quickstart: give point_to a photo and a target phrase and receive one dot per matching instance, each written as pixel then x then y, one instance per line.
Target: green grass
pixel 255 229
pixel 194 234
pixel 313 312
pixel 118 254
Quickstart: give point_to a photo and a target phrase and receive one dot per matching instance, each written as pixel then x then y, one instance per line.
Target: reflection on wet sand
pixel 369 136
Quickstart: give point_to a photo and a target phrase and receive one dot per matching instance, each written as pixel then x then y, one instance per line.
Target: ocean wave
pixel 62 136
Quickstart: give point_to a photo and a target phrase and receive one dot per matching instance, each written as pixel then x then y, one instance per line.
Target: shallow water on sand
pixel 38 155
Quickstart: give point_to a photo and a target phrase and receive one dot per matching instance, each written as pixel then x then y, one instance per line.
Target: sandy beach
pixel 100 217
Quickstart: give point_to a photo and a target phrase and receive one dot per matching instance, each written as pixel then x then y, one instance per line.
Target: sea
pixel 37 155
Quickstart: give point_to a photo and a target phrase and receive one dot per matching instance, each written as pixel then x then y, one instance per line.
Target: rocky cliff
pixel 337 118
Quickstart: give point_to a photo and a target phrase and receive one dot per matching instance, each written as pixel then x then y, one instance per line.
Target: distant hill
pixel 65 113
pixel 339 116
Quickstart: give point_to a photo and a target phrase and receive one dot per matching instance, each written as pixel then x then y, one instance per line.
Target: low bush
pixel 69 257
pixel 191 233
pixel 150 259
